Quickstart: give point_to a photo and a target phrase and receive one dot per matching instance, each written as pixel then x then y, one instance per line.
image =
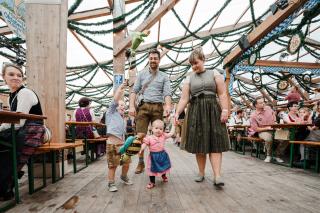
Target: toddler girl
pixel 158 163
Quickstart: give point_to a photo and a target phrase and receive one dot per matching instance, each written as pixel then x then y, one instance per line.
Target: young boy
pixel 116 129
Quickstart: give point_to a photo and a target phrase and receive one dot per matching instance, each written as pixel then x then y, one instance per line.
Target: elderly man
pixel 153 88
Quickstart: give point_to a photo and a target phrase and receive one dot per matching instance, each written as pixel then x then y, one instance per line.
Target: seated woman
pixel 85 114
pixel 29 134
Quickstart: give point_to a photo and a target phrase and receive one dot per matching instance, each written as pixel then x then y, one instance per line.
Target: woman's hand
pixel 176 119
pixel 224 116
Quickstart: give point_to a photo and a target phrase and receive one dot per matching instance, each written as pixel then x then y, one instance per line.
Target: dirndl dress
pixel 204 132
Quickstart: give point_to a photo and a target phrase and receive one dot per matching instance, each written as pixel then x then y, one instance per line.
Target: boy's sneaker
pixel 199 179
pixel 126 180
pixel 112 187
pixel 268 159
pixel 279 160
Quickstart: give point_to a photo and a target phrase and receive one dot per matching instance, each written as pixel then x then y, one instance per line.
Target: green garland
pixel 119 18
pixel 74 7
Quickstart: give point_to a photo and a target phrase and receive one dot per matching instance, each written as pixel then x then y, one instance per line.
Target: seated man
pixel 238 119
pixel 259 120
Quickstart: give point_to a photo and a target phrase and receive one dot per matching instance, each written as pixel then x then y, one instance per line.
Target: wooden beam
pixel 147 24
pixel 246 102
pixel 270 63
pixel 312 43
pixel 110 3
pixel 264 28
pixel 201 34
pixel 79 16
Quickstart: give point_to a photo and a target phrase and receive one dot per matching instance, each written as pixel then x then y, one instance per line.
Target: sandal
pixel 151 185
pixel 165 179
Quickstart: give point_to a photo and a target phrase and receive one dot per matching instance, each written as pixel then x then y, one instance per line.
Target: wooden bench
pixel 306 144
pixel 51 148
pixel 253 140
pixel 93 146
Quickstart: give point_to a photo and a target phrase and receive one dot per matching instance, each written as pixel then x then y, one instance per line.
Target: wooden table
pixel 293 127
pixel 14 118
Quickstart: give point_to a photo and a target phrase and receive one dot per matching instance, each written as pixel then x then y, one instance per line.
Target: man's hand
pixel 132 111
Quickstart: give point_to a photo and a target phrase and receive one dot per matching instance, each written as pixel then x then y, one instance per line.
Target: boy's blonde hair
pixel 196 54
pixel 158 121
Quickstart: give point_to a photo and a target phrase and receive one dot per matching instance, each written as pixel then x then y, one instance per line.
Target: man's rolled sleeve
pixel 137 85
pixel 166 87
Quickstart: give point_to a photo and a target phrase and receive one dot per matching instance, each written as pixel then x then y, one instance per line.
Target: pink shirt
pixel 155 144
pixel 293 96
pixel 260 119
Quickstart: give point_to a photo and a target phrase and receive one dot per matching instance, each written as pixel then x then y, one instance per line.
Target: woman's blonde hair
pixel 6 65
pixel 196 54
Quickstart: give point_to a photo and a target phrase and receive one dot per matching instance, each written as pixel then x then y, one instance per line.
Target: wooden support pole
pixel 119 59
pixel 46 39
pixel 227 81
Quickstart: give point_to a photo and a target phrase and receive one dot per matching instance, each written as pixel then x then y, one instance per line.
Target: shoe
pixel 164 179
pixel 150 185
pixel 126 180
pixel 217 181
pixel 199 179
pixel 268 159
pixel 69 156
pixel 7 196
pixel 20 174
pixel 279 160
pixel 112 187
pixel 140 168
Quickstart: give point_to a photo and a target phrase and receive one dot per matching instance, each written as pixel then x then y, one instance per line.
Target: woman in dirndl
pixel 29 134
pixel 206 131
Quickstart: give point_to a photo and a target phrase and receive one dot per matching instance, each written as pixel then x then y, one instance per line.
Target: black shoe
pixel 20 174
pixel 69 156
pixel 7 196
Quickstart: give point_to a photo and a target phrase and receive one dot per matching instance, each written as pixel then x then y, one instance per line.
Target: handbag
pixel 95 133
pixel 139 96
pixel 93 129
pixel 47 134
pixel 282 134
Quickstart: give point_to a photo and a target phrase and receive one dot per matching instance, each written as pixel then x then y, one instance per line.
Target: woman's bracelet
pixel 224 110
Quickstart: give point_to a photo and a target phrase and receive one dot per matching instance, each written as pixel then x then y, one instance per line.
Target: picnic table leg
pixel 74 160
pixel 291 154
pixel 53 168
pixel 305 153
pixel 44 171
pixel 14 158
pixel 30 175
pixel 62 164
pixel 317 159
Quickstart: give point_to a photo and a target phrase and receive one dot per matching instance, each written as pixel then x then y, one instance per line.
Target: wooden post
pixel 46 21
pixel 118 60
pixel 227 87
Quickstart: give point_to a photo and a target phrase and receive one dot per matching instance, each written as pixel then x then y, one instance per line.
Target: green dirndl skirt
pixel 205 133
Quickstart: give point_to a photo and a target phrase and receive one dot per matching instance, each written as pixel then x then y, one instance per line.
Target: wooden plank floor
pixel 251 186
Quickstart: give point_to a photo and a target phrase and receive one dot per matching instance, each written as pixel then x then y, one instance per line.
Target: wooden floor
pixel 251 186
